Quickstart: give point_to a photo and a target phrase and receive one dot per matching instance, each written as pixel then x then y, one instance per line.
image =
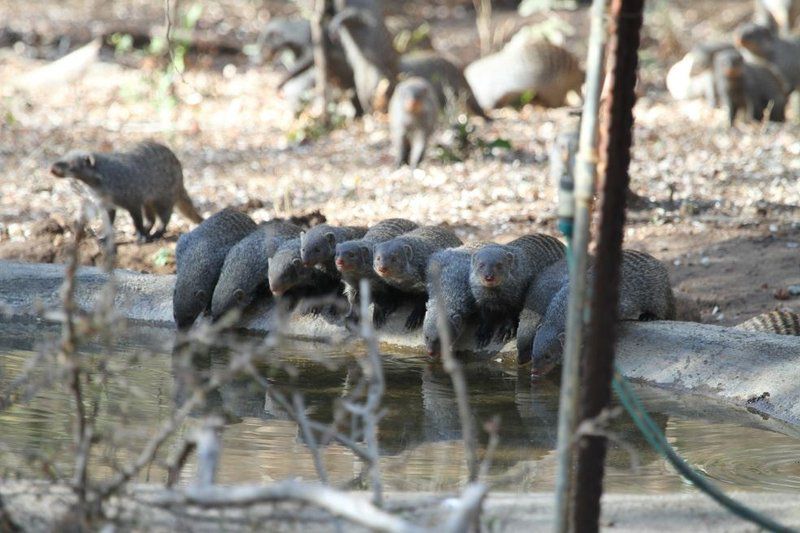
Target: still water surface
pixel 419 434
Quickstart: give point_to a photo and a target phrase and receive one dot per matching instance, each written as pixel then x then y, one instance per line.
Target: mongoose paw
pixel 415 318
pixel 506 332
pixel 483 335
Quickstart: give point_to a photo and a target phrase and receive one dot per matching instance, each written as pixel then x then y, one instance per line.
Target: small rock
pixel 794 290
pixel 705 261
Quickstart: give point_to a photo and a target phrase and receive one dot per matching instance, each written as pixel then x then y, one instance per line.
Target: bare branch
pixel 177 464
pixel 308 436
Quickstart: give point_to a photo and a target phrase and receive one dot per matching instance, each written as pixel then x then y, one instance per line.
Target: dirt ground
pixel 722 209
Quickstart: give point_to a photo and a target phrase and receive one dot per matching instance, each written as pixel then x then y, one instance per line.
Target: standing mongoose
pixel 446 78
pixel 781 14
pixel 318 245
pixel 354 263
pixel 360 28
pixel 526 69
pixel 448 289
pixel 403 262
pixel 413 112
pixel 779 322
pixel 199 256
pixel 146 181
pixel 499 279
pixel 748 86
pixel 244 272
pixel 645 293
pixel 290 279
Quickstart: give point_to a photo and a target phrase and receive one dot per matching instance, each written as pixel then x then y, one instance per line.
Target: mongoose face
pixel 415 93
pixel 548 344
pixel 77 164
pixel 186 310
pixel 756 39
pixel 491 266
pixel 317 247
pixel 353 258
pixel 392 259
pixel 286 270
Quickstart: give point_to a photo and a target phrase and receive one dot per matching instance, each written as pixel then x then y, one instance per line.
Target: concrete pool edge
pixel 758 371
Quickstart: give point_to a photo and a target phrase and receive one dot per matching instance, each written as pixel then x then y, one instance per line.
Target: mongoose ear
pixel 365 254
pixel 90 161
pixel 562 337
pixel 238 294
pixel 509 258
pixel 200 294
pixel 297 262
pixel 457 319
pixel 409 251
pixel 331 238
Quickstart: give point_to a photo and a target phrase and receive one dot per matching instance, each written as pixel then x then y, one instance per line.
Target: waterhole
pixel 420 434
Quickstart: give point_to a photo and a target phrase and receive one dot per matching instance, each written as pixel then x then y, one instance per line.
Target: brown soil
pixel 723 207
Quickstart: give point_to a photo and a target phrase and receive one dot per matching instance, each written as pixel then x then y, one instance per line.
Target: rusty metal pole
pixel 616 135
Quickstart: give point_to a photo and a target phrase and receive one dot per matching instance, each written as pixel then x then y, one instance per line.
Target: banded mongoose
pixel 290 279
pixel 413 113
pixel 354 263
pixel 446 78
pixel 645 293
pixel 448 289
pixel 244 273
pixel 367 44
pixel 146 181
pixel 199 256
pixel 527 68
pixel 540 293
pixel 779 322
pixel 746 86
pixel 499 279
pixel 782 52
pixel 403 262
pixel 318 245
pixel 781 14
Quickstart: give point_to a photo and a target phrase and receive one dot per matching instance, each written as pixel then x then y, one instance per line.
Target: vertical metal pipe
pixel 578 237
pixel 616 136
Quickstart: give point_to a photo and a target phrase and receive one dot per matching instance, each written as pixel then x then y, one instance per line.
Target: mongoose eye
pixel 351 255
pixel 481 265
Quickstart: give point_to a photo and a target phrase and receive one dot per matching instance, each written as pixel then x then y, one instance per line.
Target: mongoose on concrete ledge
pixel 448 288
pixel 645 293
pixel 354 263
pixel 499 279
pixel 199 257
pixel 413 113
pixel 318 245
pixel 146 181
pixel 779 322
pixel 244 273
pixel 403 262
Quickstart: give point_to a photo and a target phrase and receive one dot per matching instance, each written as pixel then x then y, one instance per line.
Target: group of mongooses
pixel 416 87
pixel 759 70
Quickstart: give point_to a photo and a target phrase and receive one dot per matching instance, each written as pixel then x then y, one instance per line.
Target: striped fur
pixel 779 322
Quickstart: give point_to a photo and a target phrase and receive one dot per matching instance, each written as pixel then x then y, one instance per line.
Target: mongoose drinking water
pixel 448 288
pixel 446 78
pixel 244 273
pixel 291 279
pixel 367 44
pixel 743 85
pixel 199 257
pixel 526 68
pixel 146 181
pixel 779 322
pixel 354 263
pixel 403 261
pixel 318 245
pixel 413 112
pixel 540 293
pixel 644 294
pixel 500 277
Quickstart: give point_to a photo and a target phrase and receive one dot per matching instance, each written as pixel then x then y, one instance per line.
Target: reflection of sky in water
pixel 419 434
